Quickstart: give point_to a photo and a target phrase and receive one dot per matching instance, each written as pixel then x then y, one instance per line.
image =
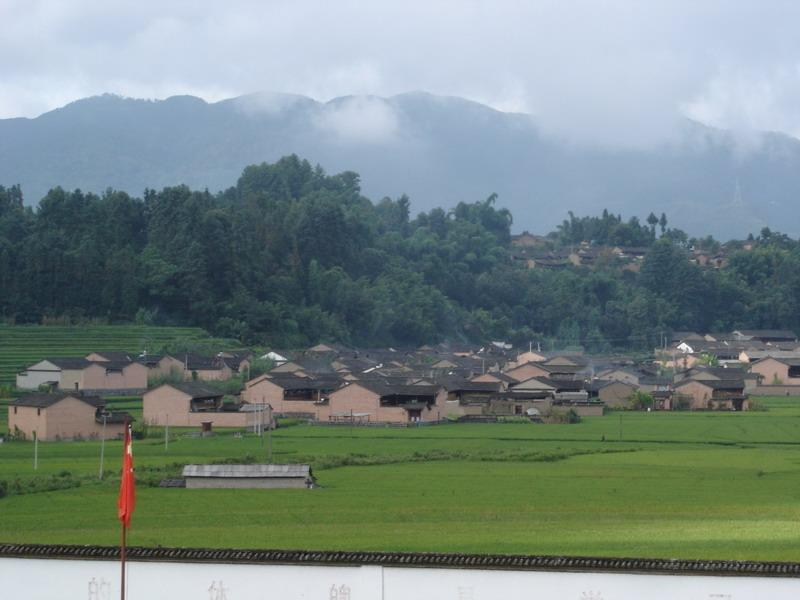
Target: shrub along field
pixel 689 485
pixel 23 345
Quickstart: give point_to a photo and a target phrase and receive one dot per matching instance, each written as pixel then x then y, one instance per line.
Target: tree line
pixel 291 256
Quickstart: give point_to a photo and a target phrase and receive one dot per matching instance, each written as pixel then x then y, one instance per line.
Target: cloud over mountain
pixel 618 73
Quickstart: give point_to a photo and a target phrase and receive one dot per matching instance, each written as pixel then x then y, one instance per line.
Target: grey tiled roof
pixel 46 400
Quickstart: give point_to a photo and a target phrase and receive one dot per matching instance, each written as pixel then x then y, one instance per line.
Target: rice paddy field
pixel 23 345
pixel 683 485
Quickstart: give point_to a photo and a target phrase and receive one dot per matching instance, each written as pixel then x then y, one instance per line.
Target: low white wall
pixel 48 579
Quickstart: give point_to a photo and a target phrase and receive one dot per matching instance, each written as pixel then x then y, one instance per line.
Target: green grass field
pixel 688 485
pixel 23 345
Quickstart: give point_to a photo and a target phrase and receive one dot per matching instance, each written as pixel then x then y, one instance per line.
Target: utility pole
pixel 269 434
pixel 35 451
pixel 166 433
pixel 102 446
pixel 674 377
pixel 260 423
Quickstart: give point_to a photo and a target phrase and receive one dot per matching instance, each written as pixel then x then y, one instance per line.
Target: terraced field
pixel 23 345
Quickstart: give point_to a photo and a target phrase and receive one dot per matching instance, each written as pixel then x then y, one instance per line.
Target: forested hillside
pixel 438 150
pixel 291 256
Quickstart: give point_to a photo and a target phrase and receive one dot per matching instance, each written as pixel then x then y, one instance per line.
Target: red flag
pixel 127 486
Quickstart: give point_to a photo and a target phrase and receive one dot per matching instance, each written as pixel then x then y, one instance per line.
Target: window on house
pixel 38 412
pixel 15 410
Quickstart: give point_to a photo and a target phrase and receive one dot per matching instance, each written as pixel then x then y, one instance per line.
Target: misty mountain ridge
pixel 438 150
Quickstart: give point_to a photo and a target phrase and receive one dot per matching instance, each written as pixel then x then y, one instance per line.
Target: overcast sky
pixel 608 72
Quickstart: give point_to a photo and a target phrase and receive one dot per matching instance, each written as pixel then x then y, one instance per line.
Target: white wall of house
pixel 39 374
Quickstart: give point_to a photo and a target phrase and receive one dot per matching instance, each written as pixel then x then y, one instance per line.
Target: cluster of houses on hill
pixel 582 255
pixel 538 252
pixel 329 383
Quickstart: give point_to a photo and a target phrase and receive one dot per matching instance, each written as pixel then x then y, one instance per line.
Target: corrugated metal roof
pixel 257 471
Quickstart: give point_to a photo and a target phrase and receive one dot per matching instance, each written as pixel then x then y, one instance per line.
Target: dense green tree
pixel 291 256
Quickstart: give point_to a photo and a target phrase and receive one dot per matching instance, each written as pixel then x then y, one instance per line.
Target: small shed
pixel 248 476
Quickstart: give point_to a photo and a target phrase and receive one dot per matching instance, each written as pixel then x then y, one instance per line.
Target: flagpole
pixel 122 562
pixel 124 529
pixel 125 502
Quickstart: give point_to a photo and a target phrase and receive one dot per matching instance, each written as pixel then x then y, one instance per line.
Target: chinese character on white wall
pixel 217 591
pixel 339 593
pixel 466 593
pixel 99 590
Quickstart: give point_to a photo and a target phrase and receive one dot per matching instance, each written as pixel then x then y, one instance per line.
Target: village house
pixel 163 367
pixel 63 416
pixel 46 372
pixel 291 396
pixel 206 368
pixel 713 394
pixel 660 388
pixel 526 371
pixel 193 367
pixel 530 356
pixel 344 365
pixel 495 377
pixel 375 400
pixel 526 239
pixel 109 377
pixel 277 356
pixel 328 348
pixel 550 261
pixel 519 399
pixel 567 390
pixel 619 374
pixel 777 371
pixel 582 408
pixel 553 370
pixel 706 373
pixel 752 355
pixel 465 397
pixel 566 360
pixel 239 361
pixel 192 404
pixel 307 365
pixel 614 394
pixel 119 356
pixel 466 391
pixel 685 336
pixel 587 256
pixel 513 405
pixel 765 335
pixel 532 388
